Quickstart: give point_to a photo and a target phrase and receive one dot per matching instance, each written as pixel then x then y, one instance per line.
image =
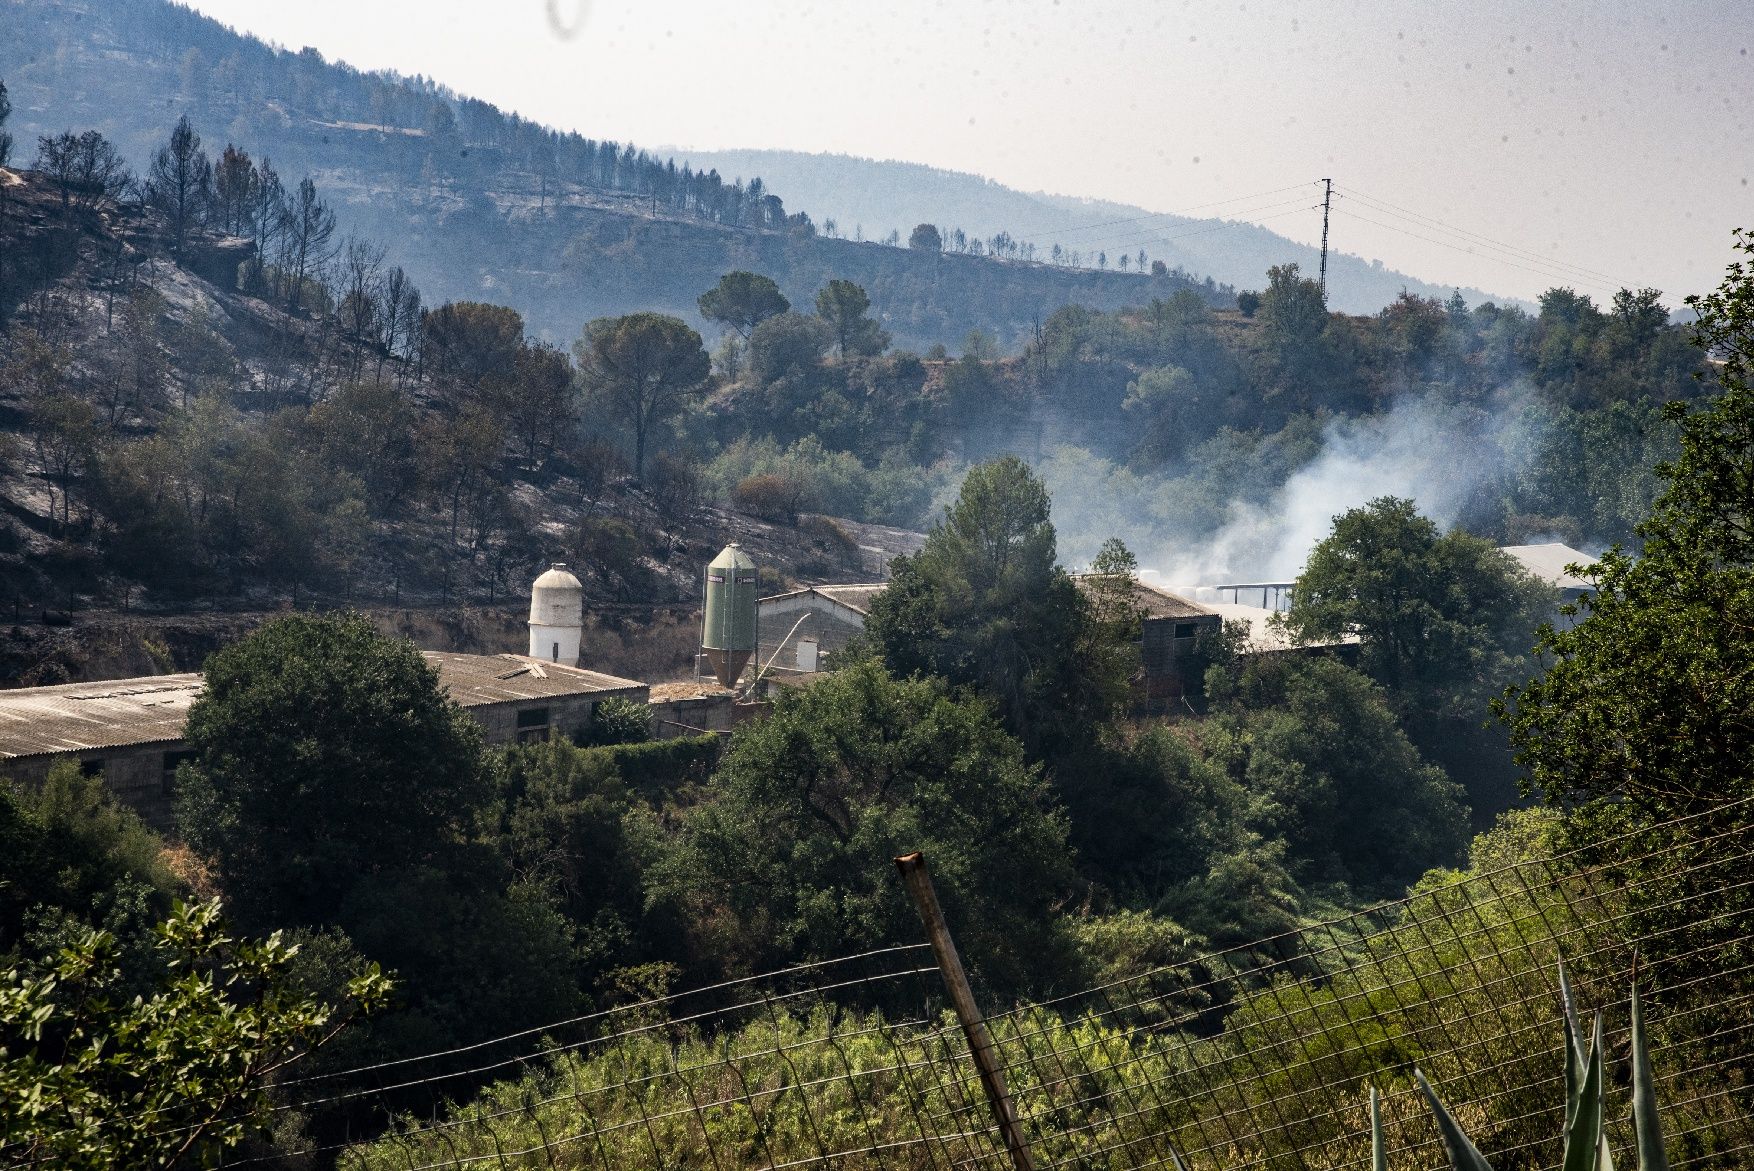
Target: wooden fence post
pixel 974 1027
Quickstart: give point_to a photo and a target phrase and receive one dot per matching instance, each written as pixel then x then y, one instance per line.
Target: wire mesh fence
pixel 1255 1056
pixel 1263 1055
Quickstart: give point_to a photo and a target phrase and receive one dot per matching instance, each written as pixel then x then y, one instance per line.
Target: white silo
pixel 557 617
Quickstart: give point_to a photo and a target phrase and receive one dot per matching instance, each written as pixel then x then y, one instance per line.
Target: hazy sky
pixel 1610 135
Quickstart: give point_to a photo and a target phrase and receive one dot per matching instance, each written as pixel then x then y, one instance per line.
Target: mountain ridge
pixel 454 185
pixel 882 194
pixel 481 204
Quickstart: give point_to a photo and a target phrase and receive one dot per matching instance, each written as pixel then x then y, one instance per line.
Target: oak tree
pixel 324 753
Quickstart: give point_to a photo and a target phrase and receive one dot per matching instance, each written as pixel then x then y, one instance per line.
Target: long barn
pixel 130 731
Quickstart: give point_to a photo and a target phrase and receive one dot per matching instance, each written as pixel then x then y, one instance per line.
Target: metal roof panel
pixel 152 709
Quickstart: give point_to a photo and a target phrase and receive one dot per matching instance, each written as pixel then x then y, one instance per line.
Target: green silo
pixel 728 631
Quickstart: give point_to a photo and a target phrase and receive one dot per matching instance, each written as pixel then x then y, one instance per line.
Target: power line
pixel 1384 207
pixel 737 987
pixel 1472 251
pixel 1472 243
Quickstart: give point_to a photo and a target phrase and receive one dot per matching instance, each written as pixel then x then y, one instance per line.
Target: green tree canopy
pixel 325 753
pixel 1331 774
pixel 843 305
pixel 791 859
pixel 94 1077
pixel 470 342
pixel 1293 313
pixel 641 369
pixel 68 851
pixel 1649 698
pixel 789 345
pixel 984 606
pixel 1445 619
pixel 742 301
pixel 1644 719
pixel 926 238
pixel 1162 825
pixel 1294 324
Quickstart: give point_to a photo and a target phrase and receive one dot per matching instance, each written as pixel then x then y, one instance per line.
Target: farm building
pixel 131 730
pixel 801 630
pixel 1170 626
pixel 1548 562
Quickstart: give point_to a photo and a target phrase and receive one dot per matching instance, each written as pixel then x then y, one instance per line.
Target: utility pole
pixel 1327 200
pixel 918 879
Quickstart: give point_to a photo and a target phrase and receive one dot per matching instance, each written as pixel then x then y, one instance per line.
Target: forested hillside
pixel 218 392
pixel 868 198
pixel 213 393
pixel 194 424
pixel 485 205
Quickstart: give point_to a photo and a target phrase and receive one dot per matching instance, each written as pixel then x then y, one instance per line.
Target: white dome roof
pixel 557 578
pixel 557 599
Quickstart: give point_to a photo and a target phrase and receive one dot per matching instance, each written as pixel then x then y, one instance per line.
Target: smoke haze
pixel 1192 530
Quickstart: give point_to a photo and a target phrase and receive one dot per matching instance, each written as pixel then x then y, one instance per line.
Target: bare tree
pixel 235 183
pixel 83 167
pixel 135 361
pixel 266 216
pixel 305 245
pixel 357 302
pixel 180 181
pixel 542 162
pixel 398 315
pixel 64 433
pixel 539 401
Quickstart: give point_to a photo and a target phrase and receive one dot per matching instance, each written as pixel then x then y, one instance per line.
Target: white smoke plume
pixel 1435 453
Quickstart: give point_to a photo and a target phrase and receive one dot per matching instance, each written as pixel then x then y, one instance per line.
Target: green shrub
pixel 771 496
pixel 657 767
pixel 618 720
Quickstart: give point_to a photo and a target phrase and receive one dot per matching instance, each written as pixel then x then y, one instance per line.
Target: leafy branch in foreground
pixel 90 1079
pixel 1586 1146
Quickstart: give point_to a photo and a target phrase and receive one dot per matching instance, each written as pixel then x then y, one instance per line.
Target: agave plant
pixel 1586 1146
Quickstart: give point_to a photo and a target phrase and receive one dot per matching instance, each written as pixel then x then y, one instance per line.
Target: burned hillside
pixel 195 425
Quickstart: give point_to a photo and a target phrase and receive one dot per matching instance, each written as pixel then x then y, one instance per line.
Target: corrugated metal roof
pixel 857 597
pixel 119 713
pixel 1263 635
pixel 1548 563
pixel 1157 603
pixel 853 597
pixel 78 717
pixel 475 680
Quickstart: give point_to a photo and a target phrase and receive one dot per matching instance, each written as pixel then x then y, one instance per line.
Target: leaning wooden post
pixel 974 1028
